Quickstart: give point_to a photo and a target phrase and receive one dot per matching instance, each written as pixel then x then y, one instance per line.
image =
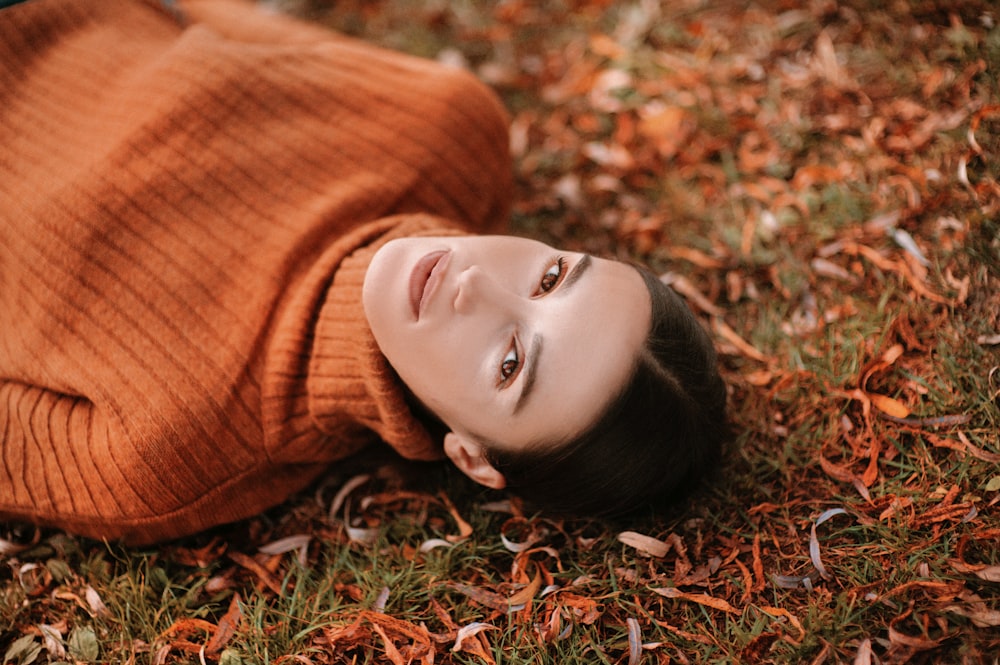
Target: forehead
pixel 589 351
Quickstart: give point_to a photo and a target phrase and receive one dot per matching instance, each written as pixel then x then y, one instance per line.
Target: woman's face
pixel 504 338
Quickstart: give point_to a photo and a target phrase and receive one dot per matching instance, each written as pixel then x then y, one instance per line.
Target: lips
pixel 425 277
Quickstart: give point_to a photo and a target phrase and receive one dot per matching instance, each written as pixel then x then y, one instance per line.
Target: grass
pixel 804 138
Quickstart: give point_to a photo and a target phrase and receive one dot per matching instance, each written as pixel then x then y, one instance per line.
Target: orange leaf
pixel 391 652
pixel 226 628
pixel 778 612
pixel 527 593
pixel 700 598
pixel 889 405
pixel 667 129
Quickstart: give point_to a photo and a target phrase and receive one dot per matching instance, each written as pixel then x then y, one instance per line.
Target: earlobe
pixel 468 456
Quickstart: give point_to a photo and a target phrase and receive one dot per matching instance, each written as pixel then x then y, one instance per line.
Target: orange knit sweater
pixel 188 204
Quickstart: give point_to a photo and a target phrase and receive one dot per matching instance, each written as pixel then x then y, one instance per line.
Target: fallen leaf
pixel 391 652
pixel 779 612
pixel 645 544
pixel 433 543
pixel 464 528
pixel 263 574
pixel 634 641
pixel 864 653
pixel 756 650
pixel 82 644
pixel 666 127
pixel 288 544
pixel 482 596
pixel 345 490
pixel 733 338
pixel 94 601
pixel 23 650
pixel 468 631
pixel 989 573
pixel 911 642
pixel 980 615
pixel 814 540
pixel 700 598
pixel 226 628
pixel 683 286
pixel 524 596
pixel 888 405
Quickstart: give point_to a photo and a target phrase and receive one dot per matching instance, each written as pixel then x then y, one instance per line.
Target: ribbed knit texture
pixel 187 210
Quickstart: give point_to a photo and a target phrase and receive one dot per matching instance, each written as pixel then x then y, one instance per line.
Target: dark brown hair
pixel 655 442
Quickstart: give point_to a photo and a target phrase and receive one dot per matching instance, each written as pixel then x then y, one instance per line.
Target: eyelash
pixel 560 265
pixel 505 375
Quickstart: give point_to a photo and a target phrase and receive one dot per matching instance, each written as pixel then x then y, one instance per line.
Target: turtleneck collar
pixel 348 375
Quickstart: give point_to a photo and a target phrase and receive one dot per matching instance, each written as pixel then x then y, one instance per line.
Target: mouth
pixel 425 277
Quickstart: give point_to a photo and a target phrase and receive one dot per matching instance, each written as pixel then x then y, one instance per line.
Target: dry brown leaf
pixel 895 506
pixel 472 642
pixel 756 650
pixel 982 571
pixel 482 596
pixel 779 612
pixel 518 546
pixel 468 631
pixel 391 652
pixel 262 573
pixel 94 601
pixel 888 405
pixel 963 445
pixel 814 540
pixel 666 127
pixel 700 598
pixel 744 347
pixel 226 628
pixel 683 286
pixel 980 614
pixel 645 544
pixel 915 643
pixel 634 641
pixel 180 629
pixel 864 653
pixel 758 564
pixel 760 378
pixel 696 257
pixel 464 528
pixel 583 609
pixel 524 596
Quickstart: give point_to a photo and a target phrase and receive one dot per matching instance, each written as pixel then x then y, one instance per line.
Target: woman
pixel 234 250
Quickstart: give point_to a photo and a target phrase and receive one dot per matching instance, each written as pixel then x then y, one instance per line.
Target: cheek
pixel 437 368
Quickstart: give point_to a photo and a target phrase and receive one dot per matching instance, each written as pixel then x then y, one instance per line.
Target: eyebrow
pixel 531 372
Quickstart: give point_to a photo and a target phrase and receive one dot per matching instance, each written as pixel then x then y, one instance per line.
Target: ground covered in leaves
pixel 820 181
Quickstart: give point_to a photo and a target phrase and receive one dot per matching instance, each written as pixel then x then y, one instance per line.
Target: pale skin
pixel 505 339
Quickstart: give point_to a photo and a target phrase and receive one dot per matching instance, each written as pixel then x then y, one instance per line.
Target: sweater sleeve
pixel 64 464
pixel 43 467
pixel 166 190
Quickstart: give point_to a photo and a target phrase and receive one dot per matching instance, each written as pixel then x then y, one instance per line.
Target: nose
pixel 476 288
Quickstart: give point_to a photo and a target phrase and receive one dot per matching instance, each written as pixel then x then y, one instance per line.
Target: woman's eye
pixel 509 365
pixel 552 276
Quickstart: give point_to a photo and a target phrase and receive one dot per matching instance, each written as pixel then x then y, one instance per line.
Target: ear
pixel 468 456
